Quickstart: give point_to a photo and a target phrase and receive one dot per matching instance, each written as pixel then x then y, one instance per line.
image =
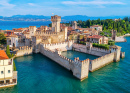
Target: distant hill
pixel 48 18
pixel 83 17
pixel 31 16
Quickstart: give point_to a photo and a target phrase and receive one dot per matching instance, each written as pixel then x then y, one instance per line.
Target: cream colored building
pixel 97 39
pixel 13 41
pixel 97 27
pixel 8 77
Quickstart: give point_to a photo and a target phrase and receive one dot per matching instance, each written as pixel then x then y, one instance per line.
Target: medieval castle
pixel 51 41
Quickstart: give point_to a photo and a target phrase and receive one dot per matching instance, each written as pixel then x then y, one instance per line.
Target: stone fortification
pixel 24 51
pixel 122 54
pixel 90 50
pixel 101 61
pixel 46 33
pixel 78 67
pixel 63 46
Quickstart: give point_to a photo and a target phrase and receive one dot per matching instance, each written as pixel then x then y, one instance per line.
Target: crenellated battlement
pixel 101 61
pixel 103 57
pixel 61 56
pixel 46 33
pixel 63 45
pixel 80 61
pixel 100 49
pixel 46 49
pixel 69 60
pixel 25 50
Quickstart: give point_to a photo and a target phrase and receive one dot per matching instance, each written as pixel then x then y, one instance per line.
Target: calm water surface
pixel 38 74
pixel 9 25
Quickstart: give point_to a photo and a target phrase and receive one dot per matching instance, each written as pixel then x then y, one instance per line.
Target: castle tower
pixel 114 34
pixel 66 30
pixel 56 23
pixel 81 68
pixel 74 25
pixel 32 30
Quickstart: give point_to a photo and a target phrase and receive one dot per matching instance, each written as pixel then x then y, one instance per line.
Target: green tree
pixel 14 66
pixel 110 42
pixel 2 39
pixel 8 52
pixel 10 56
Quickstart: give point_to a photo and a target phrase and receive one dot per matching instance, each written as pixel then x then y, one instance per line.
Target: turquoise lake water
pixel 9 25
pixel 39 74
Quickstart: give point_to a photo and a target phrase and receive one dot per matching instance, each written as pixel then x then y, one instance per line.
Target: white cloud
pixel 31 4
pixel 95 2
pixel 6 4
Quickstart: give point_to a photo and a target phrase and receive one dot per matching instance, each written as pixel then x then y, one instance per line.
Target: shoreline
pixel 121 38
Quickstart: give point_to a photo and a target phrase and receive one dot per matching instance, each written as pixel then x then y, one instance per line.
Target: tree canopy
pixel 2 39
pixel 122 26
pixel 10 56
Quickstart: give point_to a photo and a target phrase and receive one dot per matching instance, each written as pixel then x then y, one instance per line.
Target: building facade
pixel 97 39
pixel 8 77
pixel 97 27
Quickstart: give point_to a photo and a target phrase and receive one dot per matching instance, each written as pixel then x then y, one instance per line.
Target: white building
pixel 97 27
pixel 97 39
pixel 8 77
pixel 12 40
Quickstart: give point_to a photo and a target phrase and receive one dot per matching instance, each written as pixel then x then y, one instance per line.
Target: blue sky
pixel 65 7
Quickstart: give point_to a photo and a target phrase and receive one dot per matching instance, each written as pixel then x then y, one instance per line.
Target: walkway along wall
pixel 79 68
pixel 24 51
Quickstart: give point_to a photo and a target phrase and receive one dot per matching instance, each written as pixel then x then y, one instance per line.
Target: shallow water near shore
pixel 39 74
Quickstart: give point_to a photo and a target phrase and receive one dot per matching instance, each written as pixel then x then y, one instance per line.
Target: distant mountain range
pixel 48 18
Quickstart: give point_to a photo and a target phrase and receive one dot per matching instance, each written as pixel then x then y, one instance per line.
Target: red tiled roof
pixel 95 36
pixel 19 29
pixel 3 55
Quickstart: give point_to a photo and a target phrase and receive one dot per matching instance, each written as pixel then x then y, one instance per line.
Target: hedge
pixel 104 46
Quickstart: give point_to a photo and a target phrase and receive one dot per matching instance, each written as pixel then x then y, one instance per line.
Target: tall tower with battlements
pixel 114 34
pixel 32 30
pixel 56 23
pixel 74 25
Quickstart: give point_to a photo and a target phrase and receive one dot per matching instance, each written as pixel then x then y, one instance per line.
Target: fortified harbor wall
pixel 90 50
pixel 79 68
pixel 64 46
pixel 24 51
pixel 101 61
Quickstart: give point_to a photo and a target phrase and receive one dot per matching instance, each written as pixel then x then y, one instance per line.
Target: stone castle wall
pixel 122 54
pixel 78 67
pixel 90 50
pixel 45 33
pixel 64 46
pixel 24 51
pixel 54 36
pixel 101 61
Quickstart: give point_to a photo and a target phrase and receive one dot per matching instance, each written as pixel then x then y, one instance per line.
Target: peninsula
pixel 51 41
